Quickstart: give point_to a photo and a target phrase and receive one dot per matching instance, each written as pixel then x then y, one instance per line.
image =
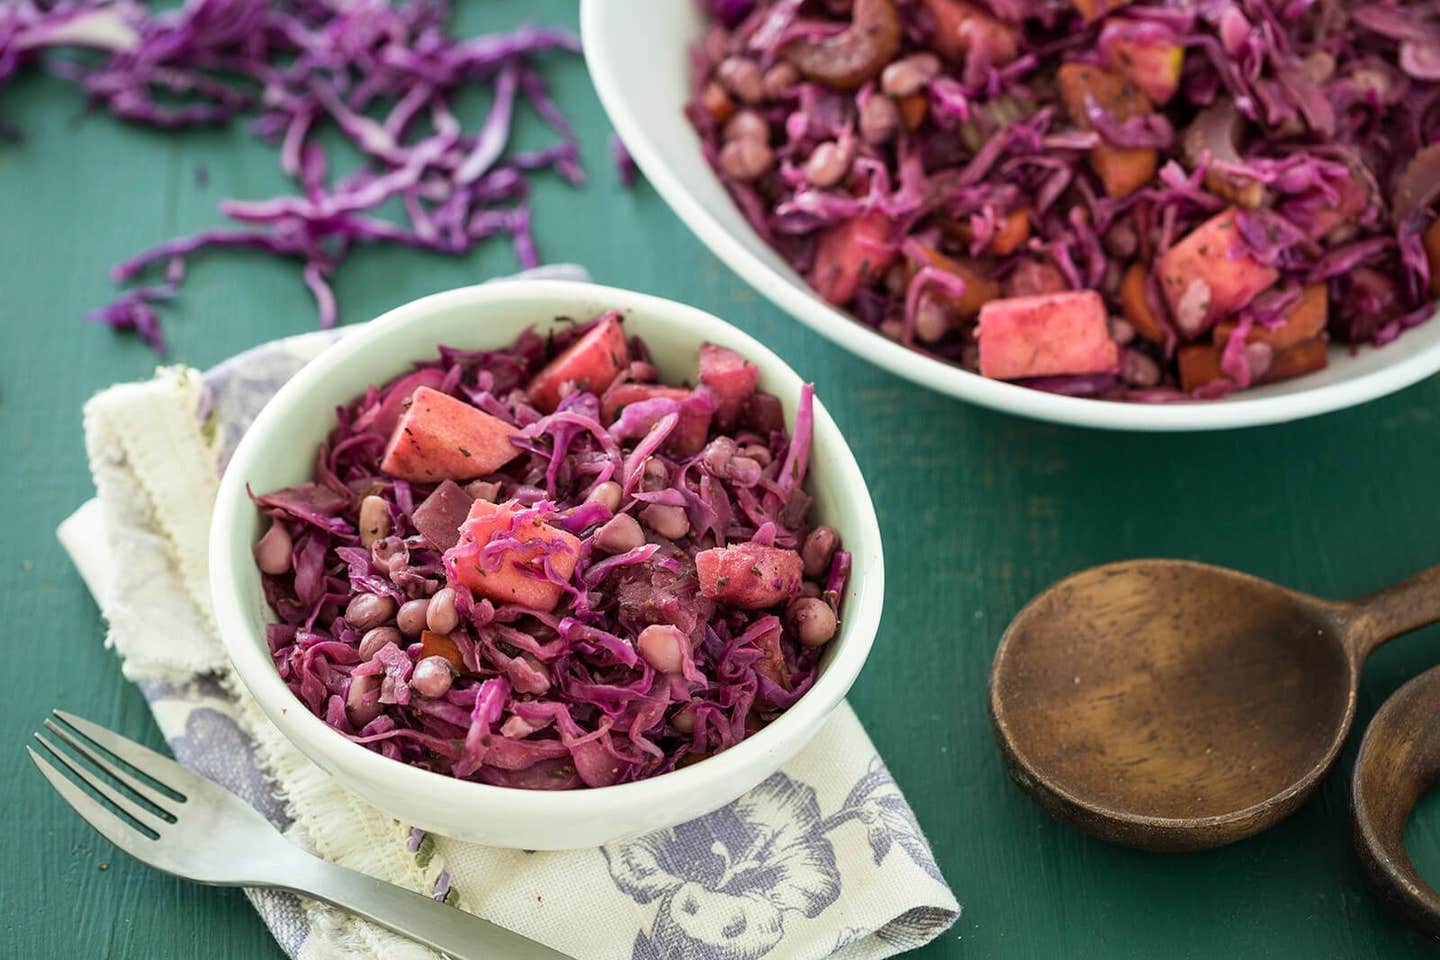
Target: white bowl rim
pixel 856 337
pixel 253 665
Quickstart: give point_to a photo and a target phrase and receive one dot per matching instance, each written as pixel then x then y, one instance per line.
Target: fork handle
pixel 447 929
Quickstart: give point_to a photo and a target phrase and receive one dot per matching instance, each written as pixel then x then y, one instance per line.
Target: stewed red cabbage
pixel 541 567
pixel 1151 200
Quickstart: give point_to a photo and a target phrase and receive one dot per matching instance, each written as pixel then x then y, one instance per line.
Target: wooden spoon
pixel 1399 763
pixel 1172 705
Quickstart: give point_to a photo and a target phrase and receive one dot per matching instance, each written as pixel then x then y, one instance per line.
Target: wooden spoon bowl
pixel 1399 762
pixel 1172 705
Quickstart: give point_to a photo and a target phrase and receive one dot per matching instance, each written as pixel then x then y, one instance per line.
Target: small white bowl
pixel 637 52
pixel 278 450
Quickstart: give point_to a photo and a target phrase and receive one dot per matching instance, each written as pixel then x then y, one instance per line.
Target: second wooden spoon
pixel 1172 705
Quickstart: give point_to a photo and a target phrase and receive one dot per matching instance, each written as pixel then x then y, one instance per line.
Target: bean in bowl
pixel 542 567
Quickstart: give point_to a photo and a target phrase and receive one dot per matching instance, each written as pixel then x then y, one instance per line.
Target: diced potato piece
pixel 689 434
pixel 592 363
pixel 1208 256
pixel 382 417
pixel 730 377
pixel 439 437
pixel 850 254
pixel 1046 335
pixel 510 582
pixel 748 575
pixel 1153 67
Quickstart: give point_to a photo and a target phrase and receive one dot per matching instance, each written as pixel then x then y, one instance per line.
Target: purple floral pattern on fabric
pixel 725 882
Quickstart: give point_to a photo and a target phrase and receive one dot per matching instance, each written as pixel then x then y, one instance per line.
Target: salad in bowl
pixel 545 564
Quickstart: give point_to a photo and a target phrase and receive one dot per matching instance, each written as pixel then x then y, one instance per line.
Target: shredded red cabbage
pixel 918 160
pixel 384 74
pixel 585 692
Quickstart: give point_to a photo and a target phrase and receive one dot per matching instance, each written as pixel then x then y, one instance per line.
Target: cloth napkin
pixel 823 859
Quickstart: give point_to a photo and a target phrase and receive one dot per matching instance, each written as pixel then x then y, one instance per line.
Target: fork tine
pixel 109 766
pixel 128 806
pixel 109 826
pixel 161 769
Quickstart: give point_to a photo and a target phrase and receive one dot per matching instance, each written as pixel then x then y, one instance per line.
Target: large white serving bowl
pixel 637 52
pixel 279 450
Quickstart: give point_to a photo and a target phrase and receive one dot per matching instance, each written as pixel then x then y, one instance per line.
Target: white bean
pixel 817 550
pixel 670 522
pixel 607 493
pixel 375 523
pixel 812 620
pixel 910 75
pixel 660 645
pixel 742 77
pixel 432 677
pixel 620 534
pixel 411 618
pixel 441 616
pixel 272 551
pixel 369 610
pixel 746 159
pixel 375 639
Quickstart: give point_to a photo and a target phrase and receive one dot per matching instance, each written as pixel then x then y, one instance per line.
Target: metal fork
pixel 205 833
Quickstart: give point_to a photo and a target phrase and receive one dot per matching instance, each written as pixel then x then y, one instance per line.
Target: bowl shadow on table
pixel 1338 506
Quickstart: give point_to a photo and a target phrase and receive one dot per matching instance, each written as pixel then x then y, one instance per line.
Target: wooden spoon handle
pixel 1408 605
pixel 1398 763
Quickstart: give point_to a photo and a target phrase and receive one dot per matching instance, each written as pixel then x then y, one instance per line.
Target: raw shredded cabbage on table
pixel 918 159
pixel 385 75
pixel 552 698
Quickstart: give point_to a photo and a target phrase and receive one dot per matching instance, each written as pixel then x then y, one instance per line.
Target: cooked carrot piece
pixel 1094 9
pixel 1304 357
pixel 440 645
pixel 978 288
pixel 1122 170
pixel 913 109
pixel 1432 251
pixel 1303 321
pixel 1199 364
pixel 1013 231
pixel 717 102
pixel 960 25
pixel 1137 306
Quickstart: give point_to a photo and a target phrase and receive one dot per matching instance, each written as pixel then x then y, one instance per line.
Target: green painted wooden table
pixel 979 511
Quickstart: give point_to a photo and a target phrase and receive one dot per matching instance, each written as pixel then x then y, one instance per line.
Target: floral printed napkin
pixel 824 859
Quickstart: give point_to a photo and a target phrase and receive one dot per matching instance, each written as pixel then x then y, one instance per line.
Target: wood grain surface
pixel 979 511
